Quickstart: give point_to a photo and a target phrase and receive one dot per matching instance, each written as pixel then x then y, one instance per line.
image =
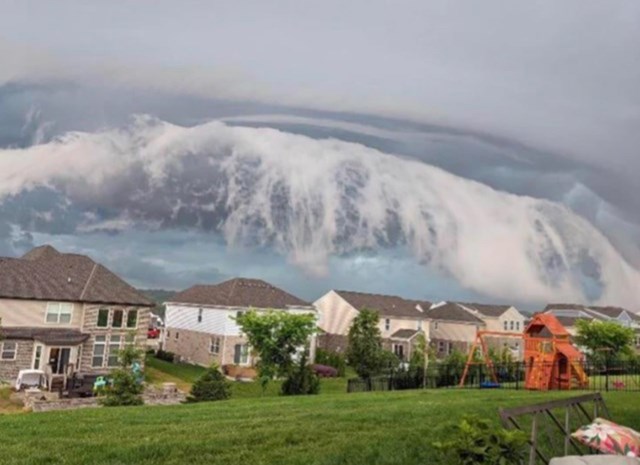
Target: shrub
pixel 476 441
pixel 332 359
pixel 165 355
pixel 124 390
pixel 325 371
pixel 212 385
pixel 301 380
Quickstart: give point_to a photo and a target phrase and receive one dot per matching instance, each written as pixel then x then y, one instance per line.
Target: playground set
pixel 551 360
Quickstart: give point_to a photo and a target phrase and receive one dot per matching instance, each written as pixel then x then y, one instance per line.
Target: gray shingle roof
pixel 49 336
pixel 488 310
pixel 385 305
pixel 46 274
pixel 405 333
pixel 593 310
pixel 239 292
pixel 453 312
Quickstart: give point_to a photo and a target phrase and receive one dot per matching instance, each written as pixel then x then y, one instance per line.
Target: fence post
pixel 606 373
pixel 517 372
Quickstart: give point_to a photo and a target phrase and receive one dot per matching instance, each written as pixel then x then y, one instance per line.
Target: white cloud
pixel 312 199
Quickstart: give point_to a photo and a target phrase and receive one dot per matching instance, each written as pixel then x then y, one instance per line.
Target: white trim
pixel 42 348
pixel 59 313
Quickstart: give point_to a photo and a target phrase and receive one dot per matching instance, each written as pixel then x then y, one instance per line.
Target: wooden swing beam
pixel 479 341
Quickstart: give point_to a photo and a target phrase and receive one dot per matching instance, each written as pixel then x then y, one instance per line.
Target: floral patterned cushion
pixel 610 438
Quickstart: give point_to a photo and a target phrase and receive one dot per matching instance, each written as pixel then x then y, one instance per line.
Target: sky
pixel 431 149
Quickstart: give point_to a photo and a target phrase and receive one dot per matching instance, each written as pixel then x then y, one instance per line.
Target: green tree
pixel 364 353
pixel 212 385
pixel 126 381
pixel 275 337
pixel 604 339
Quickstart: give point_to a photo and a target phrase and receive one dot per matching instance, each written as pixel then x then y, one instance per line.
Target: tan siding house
pixel 453 328
pixel 400 319
pixel 501 318
pixel 65 314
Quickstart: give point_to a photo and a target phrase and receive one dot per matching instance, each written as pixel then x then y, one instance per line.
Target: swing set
pixel 551 360
pixel 481 344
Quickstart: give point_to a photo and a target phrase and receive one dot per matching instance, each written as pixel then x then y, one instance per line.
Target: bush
pixel 301 380
pixel 123 390
pixel 212 385
pixel 166 356
pixel 332 359
pixel 476 441
pixel 325 371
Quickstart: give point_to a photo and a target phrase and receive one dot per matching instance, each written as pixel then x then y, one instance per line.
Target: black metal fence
pixel 598 376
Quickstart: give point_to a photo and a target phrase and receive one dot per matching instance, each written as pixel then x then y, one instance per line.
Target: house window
pixel 441 346
pixel 241 354
pixel 449 348
pixel 435 325
pixel 132 318
pixel 419 325
pixel 103 318
pixel 387 324
pixel 114 350
pixel 506 326
pixel 517 326
pixel 168 333
pixel 37 357
pixel 99 346
pixel 200 315
pixel 9 350
pixel 511 325
pixel 177 335
pixel 116 320
pixel 59 312
pixel 398 349
pixel 214 345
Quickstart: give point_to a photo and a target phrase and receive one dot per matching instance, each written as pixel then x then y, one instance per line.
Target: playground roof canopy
pixel 548 321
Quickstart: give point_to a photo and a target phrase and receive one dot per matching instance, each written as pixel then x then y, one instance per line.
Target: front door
pixel 59 359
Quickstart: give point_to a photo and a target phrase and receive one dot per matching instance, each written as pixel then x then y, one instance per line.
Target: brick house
pixel 200 324
pixel 401 320
pixel 64 313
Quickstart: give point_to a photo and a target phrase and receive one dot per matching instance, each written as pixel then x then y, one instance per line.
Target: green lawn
pixel 354 429
pixel 158 371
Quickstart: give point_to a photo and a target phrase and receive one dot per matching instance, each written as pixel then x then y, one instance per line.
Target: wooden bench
pixel 549 425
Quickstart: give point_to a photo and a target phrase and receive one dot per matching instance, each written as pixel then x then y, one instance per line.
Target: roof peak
pixel 41 252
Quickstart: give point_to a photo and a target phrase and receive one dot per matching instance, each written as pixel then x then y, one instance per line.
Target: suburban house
pixel 452 327
pixel 568 314
pixel 200 322
pixel 65 314
pixel 401 320
pixel 501 318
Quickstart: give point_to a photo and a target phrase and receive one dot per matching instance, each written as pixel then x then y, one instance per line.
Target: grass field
pixel 368 429
pixel 159 371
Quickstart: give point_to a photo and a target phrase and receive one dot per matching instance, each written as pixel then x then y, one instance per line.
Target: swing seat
pixel 489 385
